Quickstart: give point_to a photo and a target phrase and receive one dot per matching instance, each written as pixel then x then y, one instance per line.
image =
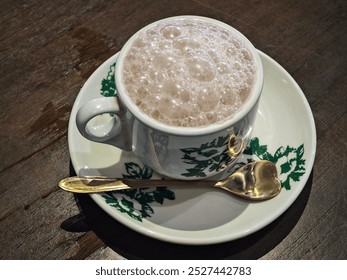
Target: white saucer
pixel 284 132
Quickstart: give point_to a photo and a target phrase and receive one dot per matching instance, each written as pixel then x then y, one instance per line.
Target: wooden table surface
pixel 48 49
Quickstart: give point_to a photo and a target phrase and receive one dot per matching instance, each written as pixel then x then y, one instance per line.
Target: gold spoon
pixel 253 181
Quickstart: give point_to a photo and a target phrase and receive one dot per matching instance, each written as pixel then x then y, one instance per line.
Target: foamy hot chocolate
pixel 189 73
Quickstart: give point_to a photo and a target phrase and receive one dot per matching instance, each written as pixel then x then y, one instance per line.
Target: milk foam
pixel 189 73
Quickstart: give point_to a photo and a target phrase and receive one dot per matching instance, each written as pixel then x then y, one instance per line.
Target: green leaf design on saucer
pixel 108 84
pixel 289 159
pixel 136 202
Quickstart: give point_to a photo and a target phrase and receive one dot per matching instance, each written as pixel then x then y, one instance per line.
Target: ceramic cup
pixel 186 153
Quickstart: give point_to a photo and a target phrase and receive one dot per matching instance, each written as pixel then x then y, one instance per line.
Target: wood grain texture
pixel 48 49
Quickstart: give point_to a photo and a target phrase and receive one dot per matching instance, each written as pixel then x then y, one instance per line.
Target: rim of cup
pixel 189 131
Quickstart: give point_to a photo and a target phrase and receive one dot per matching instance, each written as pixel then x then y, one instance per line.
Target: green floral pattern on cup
pixel 207 157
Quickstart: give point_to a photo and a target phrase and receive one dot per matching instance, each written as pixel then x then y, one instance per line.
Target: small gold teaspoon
pixel 254 181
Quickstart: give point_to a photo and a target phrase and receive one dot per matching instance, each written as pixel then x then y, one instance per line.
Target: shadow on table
pixel 133 245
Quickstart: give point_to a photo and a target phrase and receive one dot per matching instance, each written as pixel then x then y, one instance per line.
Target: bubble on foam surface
pixel 201 69
pixel 171 31
pixel 223 68
pixel 188 73
pixel 207 100
pixel 184 44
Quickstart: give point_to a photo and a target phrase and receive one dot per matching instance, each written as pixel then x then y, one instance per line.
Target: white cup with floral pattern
pixel 166 137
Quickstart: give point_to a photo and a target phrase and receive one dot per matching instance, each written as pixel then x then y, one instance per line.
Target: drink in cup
pixel 188 73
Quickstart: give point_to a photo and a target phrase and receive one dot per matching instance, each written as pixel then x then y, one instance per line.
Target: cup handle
pixel 114 132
